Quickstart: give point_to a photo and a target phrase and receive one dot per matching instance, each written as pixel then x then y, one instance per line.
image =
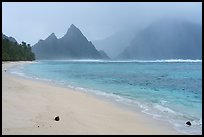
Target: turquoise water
pixel 168 91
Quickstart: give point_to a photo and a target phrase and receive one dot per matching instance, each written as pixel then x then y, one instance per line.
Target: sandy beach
pixel 29 107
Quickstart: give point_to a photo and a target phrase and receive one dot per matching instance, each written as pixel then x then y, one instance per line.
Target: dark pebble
pixel 188 123
pixel 57 118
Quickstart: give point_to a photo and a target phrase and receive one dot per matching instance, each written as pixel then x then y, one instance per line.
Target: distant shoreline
pixel 29 107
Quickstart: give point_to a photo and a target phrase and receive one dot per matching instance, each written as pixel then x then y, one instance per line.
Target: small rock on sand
pixel 57 118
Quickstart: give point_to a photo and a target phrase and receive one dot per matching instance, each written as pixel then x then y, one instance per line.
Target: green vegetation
pixel 16 52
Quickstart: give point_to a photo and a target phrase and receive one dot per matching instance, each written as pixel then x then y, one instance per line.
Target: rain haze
pixel 102 68
pixel 31 22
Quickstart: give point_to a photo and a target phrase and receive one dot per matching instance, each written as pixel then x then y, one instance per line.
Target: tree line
pixel 12 51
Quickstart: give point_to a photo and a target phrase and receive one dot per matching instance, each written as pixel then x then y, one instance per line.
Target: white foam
pixel 163 102
pixel 164 109
pixel 126 61
pixel 160 61
pixel 200 122
pixel 179 125
pixel 17 73
pixel 80 60
pixel 153 115
pixel 197 122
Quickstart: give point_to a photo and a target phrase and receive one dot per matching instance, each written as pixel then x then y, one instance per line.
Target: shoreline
pixel 29 107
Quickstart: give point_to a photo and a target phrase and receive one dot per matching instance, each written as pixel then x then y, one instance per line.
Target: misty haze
pixel 145 57
pixel 140 31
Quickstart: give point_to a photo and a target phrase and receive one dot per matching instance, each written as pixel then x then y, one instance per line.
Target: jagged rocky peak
pixel 73 26
pixel 40 40
pixel 73 31
pixel 73 45
pixel 52 36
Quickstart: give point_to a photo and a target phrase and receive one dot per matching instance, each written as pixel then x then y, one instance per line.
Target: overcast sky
pixel 32 21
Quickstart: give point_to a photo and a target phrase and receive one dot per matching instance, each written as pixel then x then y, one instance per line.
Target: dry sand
pixel 29 107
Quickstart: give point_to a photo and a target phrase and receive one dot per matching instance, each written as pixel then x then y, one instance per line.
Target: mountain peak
pixel 73 26
pixel 51 36
pixel 74 32
pixel 73 45
pixel 72 29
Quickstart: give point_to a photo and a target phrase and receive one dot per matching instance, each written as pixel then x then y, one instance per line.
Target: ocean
pixel 168 90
